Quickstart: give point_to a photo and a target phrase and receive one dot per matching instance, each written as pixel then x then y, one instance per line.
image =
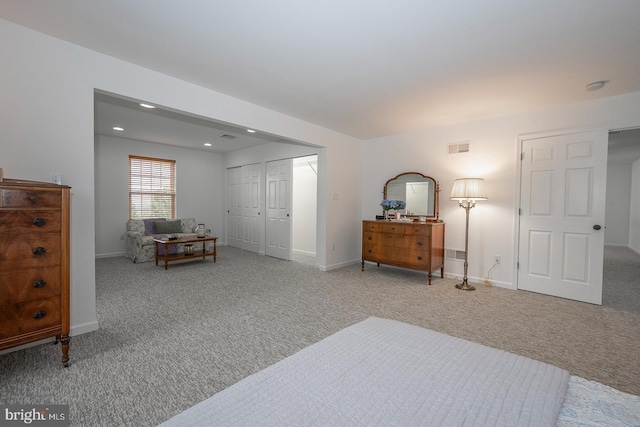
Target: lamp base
pixel 465 286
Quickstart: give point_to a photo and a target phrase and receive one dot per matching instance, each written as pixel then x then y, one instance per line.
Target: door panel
pixel 278 228
pixel 251 207
pixel 562 198
pixel 234 208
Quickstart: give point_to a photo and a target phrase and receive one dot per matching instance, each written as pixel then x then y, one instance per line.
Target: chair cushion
pixel 167 227
pixel 149 225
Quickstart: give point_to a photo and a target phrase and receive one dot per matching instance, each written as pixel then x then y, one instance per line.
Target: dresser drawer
pixel 396 241
pixel 383 227
pixel 24 198
pixel 25 251
pixel 30 316
pixel 410 258
pixel 419 230
pixel 29 221
pixel 27 285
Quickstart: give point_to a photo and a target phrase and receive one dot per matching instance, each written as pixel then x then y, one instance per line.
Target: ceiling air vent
pixel 227 136
pixel 454 254
pixel 459 147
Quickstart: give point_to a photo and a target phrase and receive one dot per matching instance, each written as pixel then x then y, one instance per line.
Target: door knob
pixel 596 227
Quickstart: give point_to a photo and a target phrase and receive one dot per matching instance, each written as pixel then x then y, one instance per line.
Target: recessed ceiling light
pixel 207 144
pixel 118 128
pixel 596 85
pixel 142 104
pixel 251 131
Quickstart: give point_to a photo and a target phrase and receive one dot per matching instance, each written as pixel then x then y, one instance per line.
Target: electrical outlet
pixel 497 259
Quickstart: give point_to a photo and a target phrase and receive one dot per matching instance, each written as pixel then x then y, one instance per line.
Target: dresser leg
pixel 429 278
pixel 362 265
pixel 64 340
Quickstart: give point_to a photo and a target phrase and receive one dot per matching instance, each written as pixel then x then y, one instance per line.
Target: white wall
pixel 46 125
pixel 199 188
pixel 305 197
pixel 494 156
pixel 634 220
pixel 617 212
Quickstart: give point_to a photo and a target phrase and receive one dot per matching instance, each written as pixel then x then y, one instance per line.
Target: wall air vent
pixel 227 136
pixel 459 147
pixel 454 254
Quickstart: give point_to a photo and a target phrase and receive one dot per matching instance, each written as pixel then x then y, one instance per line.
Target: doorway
pixel 283 223
pixel 622 232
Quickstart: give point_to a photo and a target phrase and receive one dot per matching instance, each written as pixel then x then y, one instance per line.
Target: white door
pixel 561 239
pixel 278 227
pixel 250 211
pixel 234 207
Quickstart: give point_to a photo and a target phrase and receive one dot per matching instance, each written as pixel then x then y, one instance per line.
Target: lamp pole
pixel 465 286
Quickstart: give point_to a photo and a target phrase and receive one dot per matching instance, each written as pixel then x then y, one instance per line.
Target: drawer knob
pixel 39 314
pixel 39 222
pixel 419 243
pixel 33 198
pixel 370 250
pixel 419 258
pixel 39 250
pixel 369 237
pixel 39 283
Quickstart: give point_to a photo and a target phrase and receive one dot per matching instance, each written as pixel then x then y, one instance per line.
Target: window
pixel 152 188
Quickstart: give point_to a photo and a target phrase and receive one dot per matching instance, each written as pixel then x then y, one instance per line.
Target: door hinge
pixel 520 211
pixel 522 156
pixel 518 265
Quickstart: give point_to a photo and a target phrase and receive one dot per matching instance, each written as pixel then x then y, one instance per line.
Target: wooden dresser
pixel 34 263
pixel 414 245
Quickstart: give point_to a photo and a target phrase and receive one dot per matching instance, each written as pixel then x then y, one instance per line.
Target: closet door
pixel 234 207
pixel 278 229
pixel 250 207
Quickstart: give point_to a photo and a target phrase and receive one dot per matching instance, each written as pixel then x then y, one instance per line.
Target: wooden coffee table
pixel 167 258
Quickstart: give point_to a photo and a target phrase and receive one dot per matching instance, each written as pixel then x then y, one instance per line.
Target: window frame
pixel 152 181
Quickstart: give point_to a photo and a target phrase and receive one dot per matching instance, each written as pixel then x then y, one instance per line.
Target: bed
pixel 388 373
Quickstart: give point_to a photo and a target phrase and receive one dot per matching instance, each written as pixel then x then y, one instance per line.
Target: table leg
pixel 166 256
pixel 215 251
pixel 156 253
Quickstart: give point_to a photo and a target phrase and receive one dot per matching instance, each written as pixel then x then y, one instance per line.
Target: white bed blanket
pixel 387 373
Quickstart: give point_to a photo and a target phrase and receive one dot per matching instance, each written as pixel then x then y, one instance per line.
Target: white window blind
pixel 152 188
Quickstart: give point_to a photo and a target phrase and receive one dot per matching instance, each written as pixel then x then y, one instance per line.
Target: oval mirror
pixel 418 191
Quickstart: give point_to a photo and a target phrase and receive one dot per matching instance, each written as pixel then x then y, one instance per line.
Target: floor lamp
pixel 467 191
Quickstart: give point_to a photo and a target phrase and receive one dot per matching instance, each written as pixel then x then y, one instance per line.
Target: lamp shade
pixel 468 189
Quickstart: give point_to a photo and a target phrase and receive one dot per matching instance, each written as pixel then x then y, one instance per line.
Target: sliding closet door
pixel 278 229
pixel 250 207
pixel 234 208
pixel 243 207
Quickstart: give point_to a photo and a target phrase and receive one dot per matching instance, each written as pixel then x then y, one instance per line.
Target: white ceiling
pixel 165 126
pixel 366 68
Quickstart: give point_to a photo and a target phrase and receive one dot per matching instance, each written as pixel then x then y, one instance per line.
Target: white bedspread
pixel 388 373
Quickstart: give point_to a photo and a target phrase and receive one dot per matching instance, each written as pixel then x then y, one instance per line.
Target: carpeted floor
pixel 169 339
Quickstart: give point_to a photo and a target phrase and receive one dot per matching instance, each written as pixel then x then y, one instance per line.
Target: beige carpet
pixel 169 339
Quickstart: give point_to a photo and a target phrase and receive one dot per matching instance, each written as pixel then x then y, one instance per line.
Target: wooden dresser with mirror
pixel 414 241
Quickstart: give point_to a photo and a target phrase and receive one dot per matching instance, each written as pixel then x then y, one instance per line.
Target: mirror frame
pixel 436 195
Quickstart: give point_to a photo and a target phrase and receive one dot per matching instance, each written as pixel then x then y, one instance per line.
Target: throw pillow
pixel 148 225
pixel 168 227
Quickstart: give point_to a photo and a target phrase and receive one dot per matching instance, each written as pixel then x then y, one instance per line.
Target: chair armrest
pixel 135 236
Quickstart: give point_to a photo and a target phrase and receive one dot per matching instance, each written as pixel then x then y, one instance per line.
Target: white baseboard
pixel 111 255
pixel 298 251
pixel 336 266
